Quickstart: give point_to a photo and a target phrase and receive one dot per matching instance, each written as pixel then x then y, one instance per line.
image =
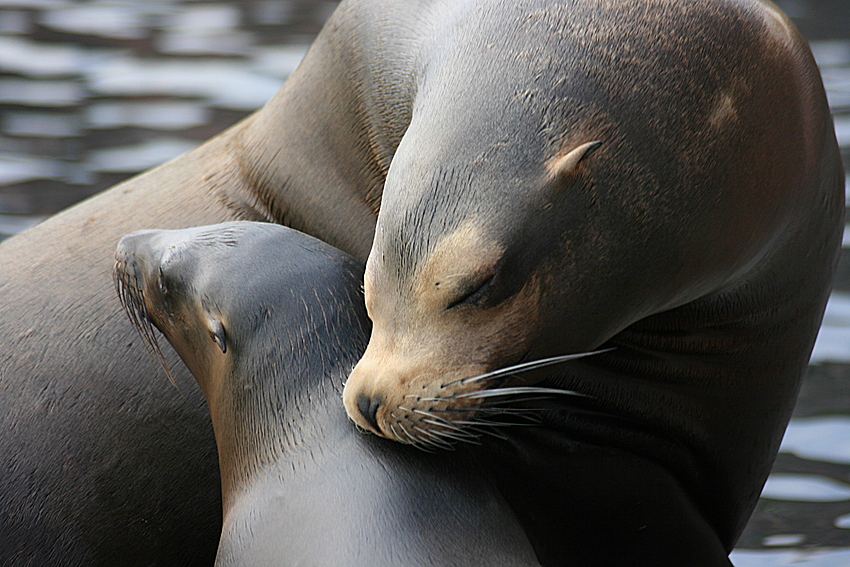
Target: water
pixel 94 92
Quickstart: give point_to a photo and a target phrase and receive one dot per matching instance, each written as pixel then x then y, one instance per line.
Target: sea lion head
pixel 220 294
pixel 161 283
pixel 460 300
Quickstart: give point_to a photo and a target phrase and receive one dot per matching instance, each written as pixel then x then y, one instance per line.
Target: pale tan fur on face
pixel 420 352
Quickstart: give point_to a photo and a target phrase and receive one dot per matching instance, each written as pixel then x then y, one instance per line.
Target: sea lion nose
pixel 369 408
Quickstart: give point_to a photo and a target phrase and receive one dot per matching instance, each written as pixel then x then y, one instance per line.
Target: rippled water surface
pixel 94 92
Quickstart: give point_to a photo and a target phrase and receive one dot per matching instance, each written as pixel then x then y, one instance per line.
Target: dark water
pixel 94 92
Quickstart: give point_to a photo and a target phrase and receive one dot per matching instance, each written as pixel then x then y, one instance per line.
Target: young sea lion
pixel 269 321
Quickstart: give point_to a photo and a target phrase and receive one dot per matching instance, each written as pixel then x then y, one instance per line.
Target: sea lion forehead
pixel 170 244
pixel 458 261
pixel 459 254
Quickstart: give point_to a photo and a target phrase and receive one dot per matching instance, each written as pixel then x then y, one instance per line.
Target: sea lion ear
pixel 566 164
pixel 216 330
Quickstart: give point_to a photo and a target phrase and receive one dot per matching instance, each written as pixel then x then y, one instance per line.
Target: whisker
pixel 426 445
pixel 480 409
pixel 435 439
pixel 471 439
pixel 483 409
pixel 395 433
pixel 514 391
pixel 410 438
pixel 454 433
pixel 446 439
pixel 438 420
pixel 530 420
pixel 526 366
pixel 434 421
pixel 132 300
pixel 517 418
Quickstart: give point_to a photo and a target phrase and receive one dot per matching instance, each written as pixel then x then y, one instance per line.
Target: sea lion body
pixel 270 321
pixel 609 175
pixel 417 91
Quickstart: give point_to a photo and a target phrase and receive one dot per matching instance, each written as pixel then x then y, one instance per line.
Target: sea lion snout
pixel 437 327
pixel 406 400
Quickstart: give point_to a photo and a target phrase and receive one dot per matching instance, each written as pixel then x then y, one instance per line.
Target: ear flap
pixel 216 330
pixel 566 164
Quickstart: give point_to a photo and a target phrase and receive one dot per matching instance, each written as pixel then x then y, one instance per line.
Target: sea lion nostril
pixel 369 408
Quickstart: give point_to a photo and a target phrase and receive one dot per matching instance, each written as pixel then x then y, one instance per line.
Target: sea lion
pixel 85 423
pixel 655 178
pixel 270 321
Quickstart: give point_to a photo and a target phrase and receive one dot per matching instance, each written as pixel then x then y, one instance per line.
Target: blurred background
pixel 92 92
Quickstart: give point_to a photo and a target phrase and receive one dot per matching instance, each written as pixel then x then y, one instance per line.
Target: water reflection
pixel 91 93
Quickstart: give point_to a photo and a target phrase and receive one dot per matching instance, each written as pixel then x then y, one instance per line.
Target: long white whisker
pixel 526 366
pixel 478 410
pixel 457 435
pixel 435 439
pixel 455 432
pixel 500 392
pixel 436 420
pixel 410 438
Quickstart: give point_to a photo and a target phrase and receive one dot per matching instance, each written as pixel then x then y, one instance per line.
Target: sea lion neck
pixel 362 122
pixel 282 391
pixel 264 428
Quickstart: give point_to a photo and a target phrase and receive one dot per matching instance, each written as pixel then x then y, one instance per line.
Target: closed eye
pixel 474 294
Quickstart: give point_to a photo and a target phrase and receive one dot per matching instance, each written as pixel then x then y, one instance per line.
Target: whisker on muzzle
pixel 132 298
pixel 525 367
pixel 484 409
pixel 512 392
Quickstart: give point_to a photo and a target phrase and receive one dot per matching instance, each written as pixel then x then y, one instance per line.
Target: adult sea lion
pixel 660 177
pixel 270 321
pixel 85 424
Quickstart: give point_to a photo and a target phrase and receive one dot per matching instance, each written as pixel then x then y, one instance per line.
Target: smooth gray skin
pixel 106 463
pixel 301 486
